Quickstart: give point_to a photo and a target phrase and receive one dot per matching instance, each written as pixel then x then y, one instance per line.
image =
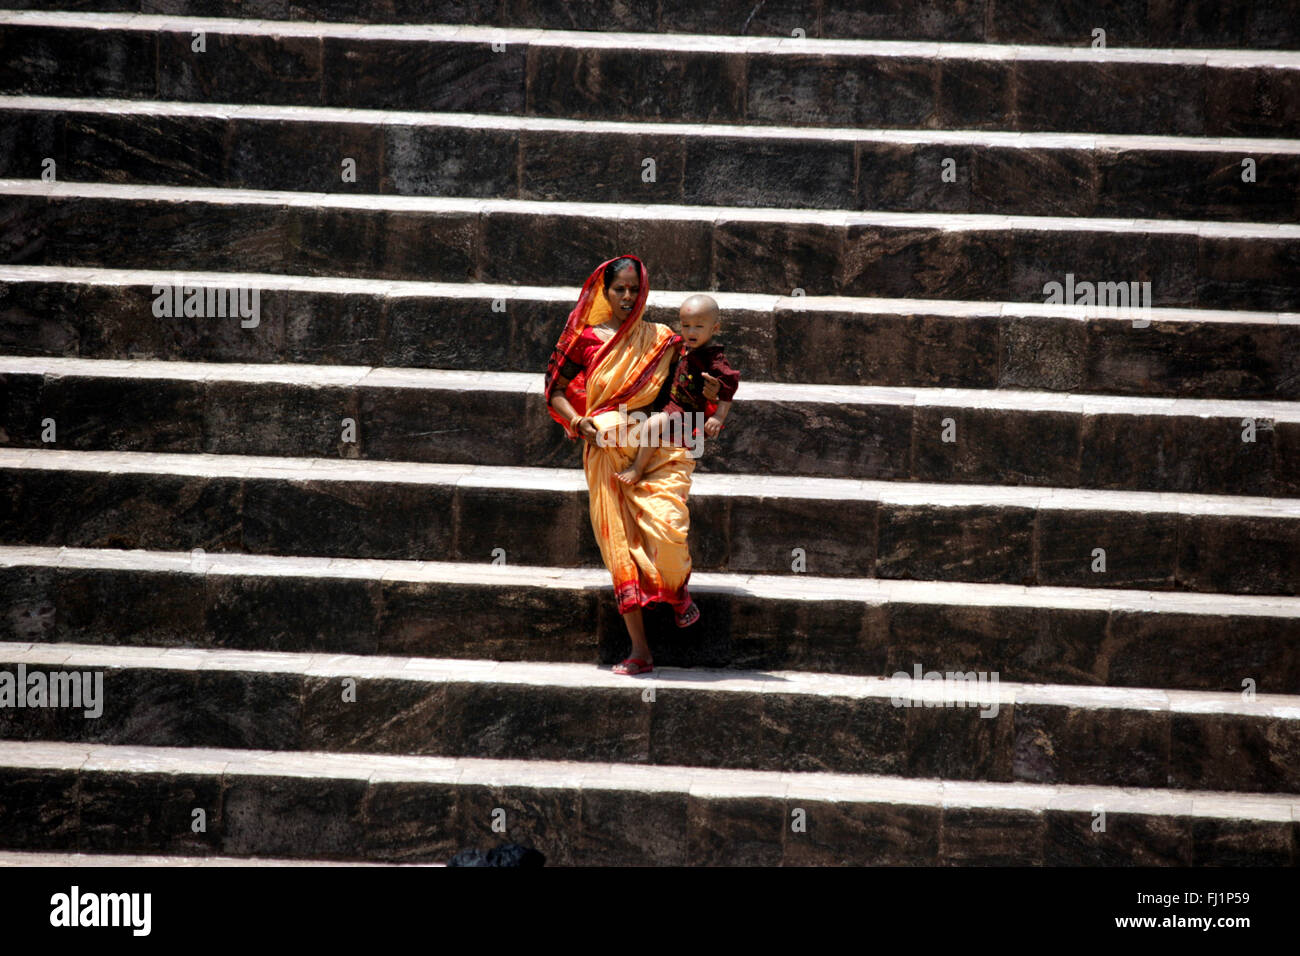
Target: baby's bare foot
pixel 630 476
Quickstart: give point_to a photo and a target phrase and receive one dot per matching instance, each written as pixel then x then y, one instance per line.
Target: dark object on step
pixel 507 854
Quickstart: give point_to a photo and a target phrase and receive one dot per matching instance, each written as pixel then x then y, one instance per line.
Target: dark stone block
pixel 1070 22
pixel 522 248
pixel 436 76
pixel 677 254
pixel 542 818
pixel 1234 752
pixel 838 539
pixel 975 94
pixel 1043 256
pixel 837 441
pixel 1130 839
pixel 734 831
pixel 828 90
pixel 86 509
pixel 348 519
pixel 965 738
pixel 629 827
pixel 38 808
pixel 969 543
pixel 1251 101
pixel 1092 747
pixel 411 822
pixel 701 728
pixel 847 637
pixel 43 318
pixel 240 68
pixel 118 414
pixel 776 259
pixel 131 812
pixel 899 262
pixel 576 15
pixel 155 609
pixel 1141 549
pixel 997 446
pixel 324 615
pixel 1286 459
pixel 143 708
pixel 1034 182
pixel 474 427
pixel 1244 843
pixel 816 734
pixel 977 836
pixel 307 157
pixel 322 328
pixel 459 333
pixel 1203 651
pixel 71 61
pixel 254 710
pixel 295 817
pixel 1249 273
pixel 1188 359
pixel 540 528
pixel 383 716
pixel 525 722
pixel 634 84
pixel 769 172
pixel 727 17
pixel 416 246
pixel 158 150
pixel 1110 97
pixel 958 21
pixel 561 166
pixel 861 834
pixel 280 419
pixel 1042 353
pixel 29 596
pixel 1196 185
pixel 498 623
pixel 709 536
pixel 1239 555
pixel 450 161
pixel 909 177
pixel 1021 643
pixel 28 138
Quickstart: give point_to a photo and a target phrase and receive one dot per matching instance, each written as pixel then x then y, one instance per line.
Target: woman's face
pixel 622 293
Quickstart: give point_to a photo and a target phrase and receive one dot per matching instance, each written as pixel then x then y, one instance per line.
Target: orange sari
pixel 642 528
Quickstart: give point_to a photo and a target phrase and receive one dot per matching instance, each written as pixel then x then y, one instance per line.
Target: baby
pixel 702 362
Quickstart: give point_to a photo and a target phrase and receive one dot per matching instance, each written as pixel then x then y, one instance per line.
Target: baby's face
pixel 698 329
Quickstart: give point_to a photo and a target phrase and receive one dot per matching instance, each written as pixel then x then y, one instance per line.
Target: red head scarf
pixel 592 309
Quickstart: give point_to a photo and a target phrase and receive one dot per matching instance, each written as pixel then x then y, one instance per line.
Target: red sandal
pixel 687 617
pixel 633 666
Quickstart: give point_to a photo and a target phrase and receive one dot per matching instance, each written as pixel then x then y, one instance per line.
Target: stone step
pixel 96 798
pixel 509 157
pixel 1005 437
pixel 868 626
pixel 771 251
pixel 91 313
pixel 637 76
pixel 1127 23
pixel 952 726
pixel 752 524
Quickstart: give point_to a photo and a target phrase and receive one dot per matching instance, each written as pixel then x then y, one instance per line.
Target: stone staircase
pixel 312 636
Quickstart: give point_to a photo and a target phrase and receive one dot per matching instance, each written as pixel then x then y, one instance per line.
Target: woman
pixel 609 362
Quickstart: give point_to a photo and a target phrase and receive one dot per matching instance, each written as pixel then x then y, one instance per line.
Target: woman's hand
pixel 711 386
pixel 587 429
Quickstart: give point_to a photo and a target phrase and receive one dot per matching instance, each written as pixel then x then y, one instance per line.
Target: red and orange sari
pixel 641 529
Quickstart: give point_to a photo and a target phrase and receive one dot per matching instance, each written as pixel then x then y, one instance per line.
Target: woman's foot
pixel 687 617
pixel 633 666
pixel 630 475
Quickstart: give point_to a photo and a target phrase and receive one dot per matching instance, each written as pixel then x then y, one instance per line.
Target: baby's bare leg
pixel 652 432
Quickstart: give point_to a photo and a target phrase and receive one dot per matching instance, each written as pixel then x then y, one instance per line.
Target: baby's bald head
pixel 700 318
